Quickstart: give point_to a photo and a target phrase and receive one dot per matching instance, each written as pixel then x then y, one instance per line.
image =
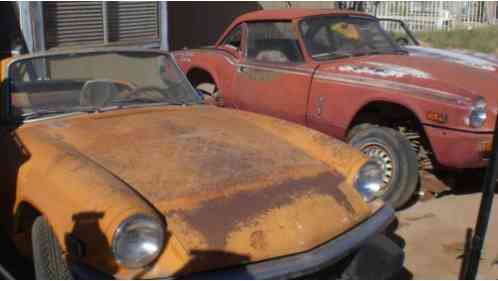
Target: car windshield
pixel 56 84
pixel 329 37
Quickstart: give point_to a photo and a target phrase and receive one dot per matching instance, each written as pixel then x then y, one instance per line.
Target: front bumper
pixel 314 260
pixel 460 150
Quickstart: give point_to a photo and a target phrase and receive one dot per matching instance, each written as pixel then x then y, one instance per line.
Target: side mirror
pixel 402 41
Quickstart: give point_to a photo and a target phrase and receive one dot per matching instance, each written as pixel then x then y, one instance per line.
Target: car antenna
pixel 473 257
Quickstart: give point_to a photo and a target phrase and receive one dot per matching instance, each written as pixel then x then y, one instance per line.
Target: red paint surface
pixel 323 96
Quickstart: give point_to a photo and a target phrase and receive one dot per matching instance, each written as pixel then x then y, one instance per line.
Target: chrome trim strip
pixel 278 68
pixel 282 69
pixel 391 85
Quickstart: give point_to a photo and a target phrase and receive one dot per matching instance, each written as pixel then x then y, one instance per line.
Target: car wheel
pixel 395 154
pixel 211 94
pixel 49 260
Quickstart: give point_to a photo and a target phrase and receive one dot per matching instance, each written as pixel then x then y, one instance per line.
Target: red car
pixel 342 74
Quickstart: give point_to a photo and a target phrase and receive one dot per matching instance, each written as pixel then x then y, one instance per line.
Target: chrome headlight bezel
pixel 478 114
pixel 369 180
pixel 148 228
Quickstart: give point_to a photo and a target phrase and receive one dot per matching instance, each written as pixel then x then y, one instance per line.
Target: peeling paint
pixel 424 92
pixel 384 70
pixel 473 60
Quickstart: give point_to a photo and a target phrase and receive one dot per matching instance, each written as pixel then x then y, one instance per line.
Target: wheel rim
pixel 383 157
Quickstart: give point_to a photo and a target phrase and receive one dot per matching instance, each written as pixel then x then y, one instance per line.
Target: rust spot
pixel 216 218
pixel 258 241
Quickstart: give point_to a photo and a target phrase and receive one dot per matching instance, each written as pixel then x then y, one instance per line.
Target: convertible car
pixel 341 73
pixel 112 153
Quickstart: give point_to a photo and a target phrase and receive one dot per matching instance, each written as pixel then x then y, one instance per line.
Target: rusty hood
pixel 233 187
pixel 428 76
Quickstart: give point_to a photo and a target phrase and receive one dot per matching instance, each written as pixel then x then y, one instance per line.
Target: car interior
pixel 64 93
pixel 275 50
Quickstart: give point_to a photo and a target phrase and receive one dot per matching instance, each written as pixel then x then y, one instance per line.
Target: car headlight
pixel 370 180
pixel 478 114
pixel 138 241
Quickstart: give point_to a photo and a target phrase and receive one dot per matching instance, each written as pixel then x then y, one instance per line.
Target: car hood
pixel 476 60
pixel 233 187
pixel 423 76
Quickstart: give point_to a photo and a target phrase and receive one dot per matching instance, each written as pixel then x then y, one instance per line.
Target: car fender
pixel 57 180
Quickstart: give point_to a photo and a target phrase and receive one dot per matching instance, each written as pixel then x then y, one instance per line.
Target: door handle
pixel 241 69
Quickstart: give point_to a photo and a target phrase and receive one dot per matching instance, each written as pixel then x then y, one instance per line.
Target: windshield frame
pixel 5 101
pixel 395 46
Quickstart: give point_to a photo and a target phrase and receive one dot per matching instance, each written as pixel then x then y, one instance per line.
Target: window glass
pixel 273 42
pixel 52 85
pixel 327 37
pixel 234 38
pixel 398 32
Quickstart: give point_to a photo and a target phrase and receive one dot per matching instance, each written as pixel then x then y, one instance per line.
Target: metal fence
pixel 429 15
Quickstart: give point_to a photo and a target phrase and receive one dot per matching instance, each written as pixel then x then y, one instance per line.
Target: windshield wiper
pixel 401 52
pixel 138 102
pixel 377 52
pixel 40 113
pixel 332 55
pixel 369 53
pixel 135 100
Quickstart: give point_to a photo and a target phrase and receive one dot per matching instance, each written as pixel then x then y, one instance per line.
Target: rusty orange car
pixel 339 72
pixel 113 152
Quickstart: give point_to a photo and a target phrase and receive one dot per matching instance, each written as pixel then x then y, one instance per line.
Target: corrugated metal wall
pixel 100 23
pixel 73 23
pixel 133 21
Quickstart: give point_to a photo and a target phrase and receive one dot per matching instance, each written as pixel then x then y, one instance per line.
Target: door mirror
pixel 402 41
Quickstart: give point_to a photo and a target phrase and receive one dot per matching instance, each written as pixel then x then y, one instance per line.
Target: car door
pixel 273 78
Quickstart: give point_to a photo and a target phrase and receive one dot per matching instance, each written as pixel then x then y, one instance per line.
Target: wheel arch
pixel 197 75
pixel 393 115
pixel 387 110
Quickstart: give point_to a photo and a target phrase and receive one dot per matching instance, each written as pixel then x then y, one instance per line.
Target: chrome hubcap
pixel 381 155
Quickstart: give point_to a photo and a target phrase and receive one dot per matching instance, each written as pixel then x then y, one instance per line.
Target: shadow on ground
pixel 405 274
pixel 463 182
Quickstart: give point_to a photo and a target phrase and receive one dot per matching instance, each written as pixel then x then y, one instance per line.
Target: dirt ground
pixel 433 235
